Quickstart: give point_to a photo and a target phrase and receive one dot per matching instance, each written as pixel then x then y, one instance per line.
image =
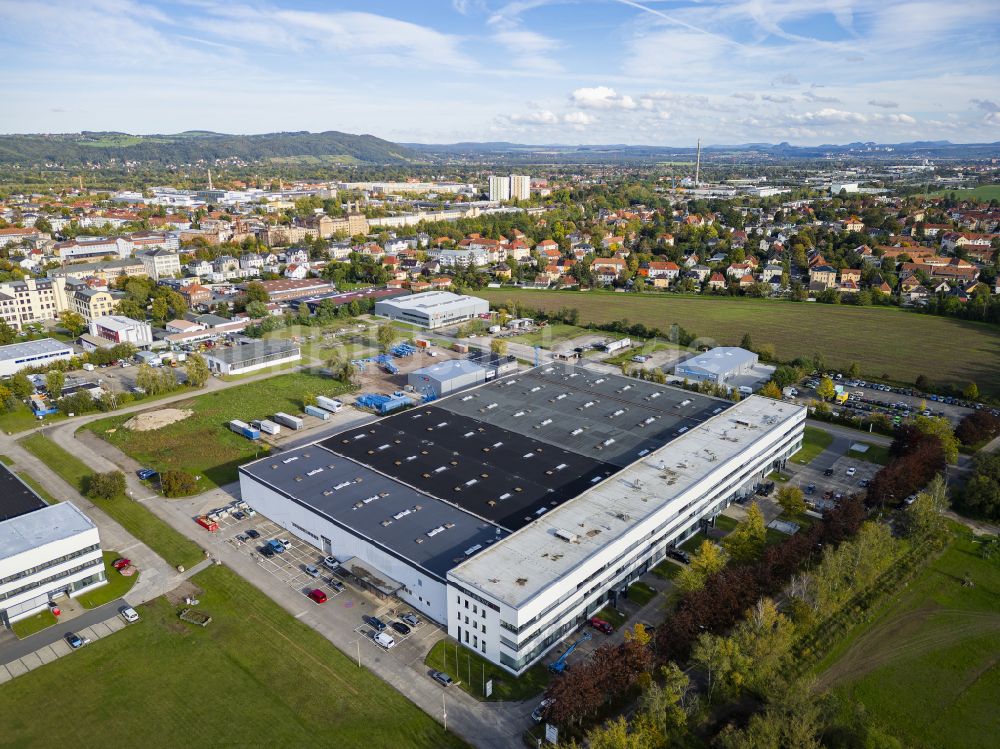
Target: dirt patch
pixel 184 590
pixel 152 420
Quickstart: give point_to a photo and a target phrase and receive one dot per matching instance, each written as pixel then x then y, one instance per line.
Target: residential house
pixel 823 275
pixel 160 263
pixel 717 281
pixel 195 294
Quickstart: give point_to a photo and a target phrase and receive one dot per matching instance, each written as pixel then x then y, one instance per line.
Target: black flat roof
pixel 504 477
pixel 426 531
pixel 16 498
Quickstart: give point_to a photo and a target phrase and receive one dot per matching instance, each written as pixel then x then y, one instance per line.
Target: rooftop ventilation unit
pixel 400 515
pixel 473 549
pixel 599 380
pixel 535 389
pixel 434 531
pixel 314 472
pixel 567 536
pixel 685 402
pixel 519 413
pixel 657 394
pixel 467 398
pixel 578 430
pixel 289 460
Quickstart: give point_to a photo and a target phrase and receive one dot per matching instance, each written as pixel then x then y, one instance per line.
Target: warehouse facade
pixel 717 365
pixel 432 309
pixel 249 357
pixel 17 356
pixel 512 511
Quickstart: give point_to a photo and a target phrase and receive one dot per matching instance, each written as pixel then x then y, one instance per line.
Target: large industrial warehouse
pixel 511 511
pixel 432 309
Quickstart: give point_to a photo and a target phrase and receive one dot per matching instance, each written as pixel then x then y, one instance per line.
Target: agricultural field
pixel 928 663
pixel 201 443
pixel 983 192
pixel 254 677
pixel 883 341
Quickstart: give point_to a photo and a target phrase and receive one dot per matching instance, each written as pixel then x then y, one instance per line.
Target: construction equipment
pixel 560 665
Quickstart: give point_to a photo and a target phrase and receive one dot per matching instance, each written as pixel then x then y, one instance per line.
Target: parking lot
pixel 356 608
pixel 838 482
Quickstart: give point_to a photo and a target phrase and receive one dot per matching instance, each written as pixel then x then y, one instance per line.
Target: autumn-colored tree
pixel 770 390
pixel 826 389
pixel 708 560
pixel 791 499
pixel 747 541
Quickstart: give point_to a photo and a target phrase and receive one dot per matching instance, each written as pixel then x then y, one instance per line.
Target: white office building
pixel 432 309
pixel 499 188
pixel 513 511
pixel 46 551
pixel 121 329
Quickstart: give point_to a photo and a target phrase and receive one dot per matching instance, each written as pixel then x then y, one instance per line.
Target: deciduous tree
pixel 747 540
pixel 791 499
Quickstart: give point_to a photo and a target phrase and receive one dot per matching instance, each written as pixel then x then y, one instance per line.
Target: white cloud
pixel 993 118
pixel 579 118
pixel 986 105
pixel 544 117
pixel 528 49
pixel 601 97
pixel 829 116
pixel 745 95
pixel 884 103
pixel 817 99
pixel 777 98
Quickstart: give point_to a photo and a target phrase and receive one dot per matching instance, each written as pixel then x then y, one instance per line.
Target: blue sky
pixel 537 71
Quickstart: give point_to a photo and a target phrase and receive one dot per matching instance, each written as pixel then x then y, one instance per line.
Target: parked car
pixel 538 714
pixel 121 563
pixel 811 489
pixel 400 627
pixel 310 570
pixel 267 551
pixel 330 563
pixel 828 472
pixel 285 542
pixel 317 595
pixel 129 614
pixel 384 639
pixel 375 623
pixel 145 474
pixel 252 533
pixel 851 471
pixel 864 483
pixel 601 626
pixel 335 584
pixel 278 547
pixel 75 641
pixel 679 554
pixel 411 619
pixel 239 515
pixel 442 678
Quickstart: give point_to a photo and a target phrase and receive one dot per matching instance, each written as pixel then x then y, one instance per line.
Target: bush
pixel 178 484
pixel 110 485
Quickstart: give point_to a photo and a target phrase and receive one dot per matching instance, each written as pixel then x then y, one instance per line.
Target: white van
pixel 744 390
pixel 384 640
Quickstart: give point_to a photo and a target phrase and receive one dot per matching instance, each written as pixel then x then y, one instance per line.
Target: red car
pixel 601 625
pixel 317 595
pixel 119 564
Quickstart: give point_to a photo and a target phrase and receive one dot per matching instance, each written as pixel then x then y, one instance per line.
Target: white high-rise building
pixel 520 187
pixel 499 188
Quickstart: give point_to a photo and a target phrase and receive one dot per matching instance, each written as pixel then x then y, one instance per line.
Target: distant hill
pixel 196 146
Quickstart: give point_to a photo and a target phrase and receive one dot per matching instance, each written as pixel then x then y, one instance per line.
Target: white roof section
pixel 34 348
pixel 116 322
pixel 44 526
pixel 432 301
pixel 537 555
pixel 721 359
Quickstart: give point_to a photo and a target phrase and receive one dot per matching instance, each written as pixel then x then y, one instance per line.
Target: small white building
pixel 46 551
pixel 251 356
pixel 121 329
pixel 718 365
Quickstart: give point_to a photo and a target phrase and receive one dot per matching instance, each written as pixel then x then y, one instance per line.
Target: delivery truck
pixel 266 426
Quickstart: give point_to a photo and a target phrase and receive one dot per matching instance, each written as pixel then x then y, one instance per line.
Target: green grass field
pixel 983 192
pixel 254 677
pixel 34 623
pixel 551 334
pixel 814 442
pixel 202 444
pixel 928 663
pixel 117 586
pixel 465 666
pixel 883 341
pixel 640 593
pixel 136 519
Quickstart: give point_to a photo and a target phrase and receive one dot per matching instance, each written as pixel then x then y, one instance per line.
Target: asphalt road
pixel 10 651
